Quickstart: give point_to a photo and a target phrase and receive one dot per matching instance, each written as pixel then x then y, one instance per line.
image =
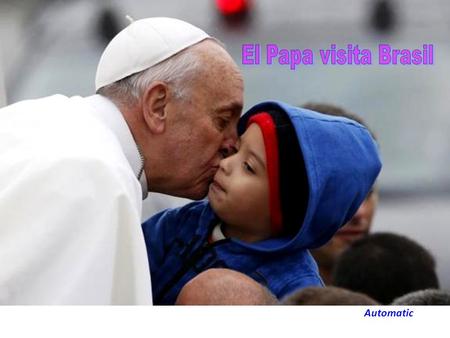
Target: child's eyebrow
pixel 245 146
pixel 258 159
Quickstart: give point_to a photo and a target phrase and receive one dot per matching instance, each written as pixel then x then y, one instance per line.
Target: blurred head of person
pixel 327 296
pixel 224 287
pixel 360 224
pixel 424 297
pixel 385 266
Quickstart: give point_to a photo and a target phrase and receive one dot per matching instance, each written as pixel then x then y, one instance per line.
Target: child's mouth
pixel 217 186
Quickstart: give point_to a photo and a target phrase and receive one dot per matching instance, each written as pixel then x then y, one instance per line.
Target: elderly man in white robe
pixel 74 170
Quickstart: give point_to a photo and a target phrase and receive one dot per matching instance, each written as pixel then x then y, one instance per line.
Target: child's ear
pixel 154 106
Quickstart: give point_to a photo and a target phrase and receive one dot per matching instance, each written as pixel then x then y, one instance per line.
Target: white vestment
pixel 71 188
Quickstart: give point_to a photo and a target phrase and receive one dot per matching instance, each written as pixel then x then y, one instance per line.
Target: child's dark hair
pixel 327 296
pixel 385 266
pixel 294 188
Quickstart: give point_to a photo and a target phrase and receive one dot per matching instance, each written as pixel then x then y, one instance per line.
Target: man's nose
pixel 360 213
pixel 227 151
pixel 229 143
pixel 356 218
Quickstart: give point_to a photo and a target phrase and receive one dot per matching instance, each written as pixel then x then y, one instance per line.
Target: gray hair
pixel 424 297
pixel 177 71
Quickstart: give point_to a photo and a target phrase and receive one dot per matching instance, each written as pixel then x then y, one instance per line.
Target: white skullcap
pixel 143 44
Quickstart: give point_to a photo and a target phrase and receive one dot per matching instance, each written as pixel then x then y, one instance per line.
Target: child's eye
pixel 248 168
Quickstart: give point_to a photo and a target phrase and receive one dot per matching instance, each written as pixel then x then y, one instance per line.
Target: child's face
pixel 239 193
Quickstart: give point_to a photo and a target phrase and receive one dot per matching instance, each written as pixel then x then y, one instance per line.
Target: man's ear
pixel 154 106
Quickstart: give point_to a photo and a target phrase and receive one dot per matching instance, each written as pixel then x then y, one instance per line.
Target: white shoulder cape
pixel 70 209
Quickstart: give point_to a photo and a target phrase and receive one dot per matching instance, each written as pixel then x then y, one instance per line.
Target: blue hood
pixel 342 162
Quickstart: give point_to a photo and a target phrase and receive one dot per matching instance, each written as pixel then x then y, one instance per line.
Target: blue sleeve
pixel 159 233
pixel 170 228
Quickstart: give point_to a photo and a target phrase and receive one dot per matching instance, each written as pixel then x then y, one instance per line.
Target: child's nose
pixel 226 164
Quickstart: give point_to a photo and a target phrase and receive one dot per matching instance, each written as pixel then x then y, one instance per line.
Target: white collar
pixel 111 116
pixel 217 233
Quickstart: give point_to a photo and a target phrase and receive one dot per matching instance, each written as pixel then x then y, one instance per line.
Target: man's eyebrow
pixel 234 107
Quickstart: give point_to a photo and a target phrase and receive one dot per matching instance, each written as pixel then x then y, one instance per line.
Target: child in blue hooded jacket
pixel 296 177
